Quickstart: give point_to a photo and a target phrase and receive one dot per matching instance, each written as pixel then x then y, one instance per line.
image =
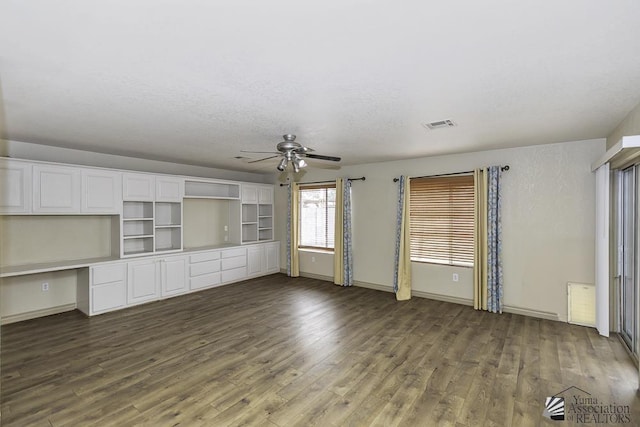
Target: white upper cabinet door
pixel 265 195
pixel 15 187
pixel 101 191
pixel 56 189
pixel 169 189
pixel 138 187
pixel 249 194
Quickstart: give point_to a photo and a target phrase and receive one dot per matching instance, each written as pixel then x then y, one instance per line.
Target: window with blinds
pixel 317 216
pixel 441 216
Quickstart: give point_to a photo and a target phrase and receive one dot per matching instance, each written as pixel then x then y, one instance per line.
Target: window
pixel 441 216
pixel 317 216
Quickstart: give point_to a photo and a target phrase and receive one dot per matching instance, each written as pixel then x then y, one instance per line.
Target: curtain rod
pixel 326 182
pixel 503 168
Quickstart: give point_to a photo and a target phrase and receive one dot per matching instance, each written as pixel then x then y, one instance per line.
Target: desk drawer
pixel 107 273
pixel 230 253
pixel 201 268
pixel 205 281
pixel 229 263
pixel 205 256
pixel 234 275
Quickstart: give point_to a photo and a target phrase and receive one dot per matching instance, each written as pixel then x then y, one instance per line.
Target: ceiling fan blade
pixel 303 150
pixel 259 152
pixel 321 157
pixel 266 158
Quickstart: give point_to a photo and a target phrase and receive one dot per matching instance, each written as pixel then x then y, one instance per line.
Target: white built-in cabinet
pixel 173 276
pixel 106 290
pixel 149 210
pixel 151 279
pixel 138 187
pixel 15 187
pixel 263 259
pixel 142 281
pixel 56 189
pixel 101 191
pixel 43 189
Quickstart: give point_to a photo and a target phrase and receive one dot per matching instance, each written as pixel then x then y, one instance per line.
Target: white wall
pixel 548 223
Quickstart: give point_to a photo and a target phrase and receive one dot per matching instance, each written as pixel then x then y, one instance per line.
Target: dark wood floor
pixel 277 351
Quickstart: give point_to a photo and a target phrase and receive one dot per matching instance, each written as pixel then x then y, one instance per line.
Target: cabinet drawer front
pixel 205 256
pixel 201 268
pixel 108 297
pixel 107 273
pixel 230 253
pixel 229 263
pixel 234 275
pixel 205 281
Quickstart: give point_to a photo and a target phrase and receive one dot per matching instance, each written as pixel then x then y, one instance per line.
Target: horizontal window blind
pixel 441 217
pixel 317 216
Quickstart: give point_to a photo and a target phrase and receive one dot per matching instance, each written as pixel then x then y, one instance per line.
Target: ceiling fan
pixel 292 152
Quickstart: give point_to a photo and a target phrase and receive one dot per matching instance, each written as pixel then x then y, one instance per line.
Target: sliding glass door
pixel 627 254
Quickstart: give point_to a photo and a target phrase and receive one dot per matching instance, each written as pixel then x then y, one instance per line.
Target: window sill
pixel 316 250
pixel 443 264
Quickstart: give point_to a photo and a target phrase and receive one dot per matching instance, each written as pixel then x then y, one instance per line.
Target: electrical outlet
pixel 45 286
pixel 226 228
pixel 455 277
pixel 313 259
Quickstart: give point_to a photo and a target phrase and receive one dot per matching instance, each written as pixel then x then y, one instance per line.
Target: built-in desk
pixel 110 283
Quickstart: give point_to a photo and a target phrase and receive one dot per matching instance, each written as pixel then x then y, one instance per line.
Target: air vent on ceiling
pixel 441 124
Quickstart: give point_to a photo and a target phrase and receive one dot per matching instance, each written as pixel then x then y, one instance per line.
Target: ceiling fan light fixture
pixel 301 162
pixel 283 164
pixel 296 166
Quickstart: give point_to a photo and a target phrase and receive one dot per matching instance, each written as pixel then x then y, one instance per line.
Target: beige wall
pixel 33 239
pixel 204 222
pixel 548 223
pixel 23 295
pixel 629 126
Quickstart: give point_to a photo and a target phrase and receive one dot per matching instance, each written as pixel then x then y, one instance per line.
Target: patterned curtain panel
pixel 402 270
pixel 494 240
pixel 293 268
pixel 342 252
pixel 487 274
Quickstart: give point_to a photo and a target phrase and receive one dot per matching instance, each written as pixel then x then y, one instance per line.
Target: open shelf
pixel 168 239
pixel 168 214
pixel 137 210
pixel 249 213
pixel 211 190
pixel 137 228
pixel 138 245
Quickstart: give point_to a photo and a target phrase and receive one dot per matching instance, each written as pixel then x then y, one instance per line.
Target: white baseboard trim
pixel 531 313
pixel 446 298
pixel 37 313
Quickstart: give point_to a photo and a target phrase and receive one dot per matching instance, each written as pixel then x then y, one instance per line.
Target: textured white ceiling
pixel 197 81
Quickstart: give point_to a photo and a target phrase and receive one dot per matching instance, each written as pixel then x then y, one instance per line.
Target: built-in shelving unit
pixel 137 228
pixel 257 213
pixel 265 222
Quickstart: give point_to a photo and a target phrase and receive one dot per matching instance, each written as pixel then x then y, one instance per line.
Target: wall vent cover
pixel 440 124
pixel 582 304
